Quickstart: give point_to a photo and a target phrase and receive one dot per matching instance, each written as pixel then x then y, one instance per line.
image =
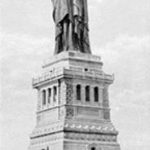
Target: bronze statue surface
pixel 71 23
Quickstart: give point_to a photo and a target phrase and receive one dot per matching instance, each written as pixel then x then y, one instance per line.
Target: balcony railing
pixel 74 72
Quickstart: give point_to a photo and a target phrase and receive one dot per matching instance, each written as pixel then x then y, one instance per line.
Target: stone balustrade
pixel 62 71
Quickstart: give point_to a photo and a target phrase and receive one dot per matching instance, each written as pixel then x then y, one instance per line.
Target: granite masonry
pixel 73 110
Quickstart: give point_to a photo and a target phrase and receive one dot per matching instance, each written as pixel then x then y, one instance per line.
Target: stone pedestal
pixel 73 106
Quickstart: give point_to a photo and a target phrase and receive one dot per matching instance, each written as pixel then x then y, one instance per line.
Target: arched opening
pixel 54 93
pixel 44 97
pixel 49 95
pixel 96 94
pixel 93 148
pixel 78 92
pixel 87 93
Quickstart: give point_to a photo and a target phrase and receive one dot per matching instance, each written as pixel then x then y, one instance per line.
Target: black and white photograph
pixel 75 75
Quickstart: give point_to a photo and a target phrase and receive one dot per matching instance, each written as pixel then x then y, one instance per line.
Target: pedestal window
pixel 96 94
pixel 87 93
pixel 93 147
pixel 44 97
pixel 78 92
pixel 54 93
pixel 49 95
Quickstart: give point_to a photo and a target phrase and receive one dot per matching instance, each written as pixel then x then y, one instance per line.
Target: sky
pixel 119 33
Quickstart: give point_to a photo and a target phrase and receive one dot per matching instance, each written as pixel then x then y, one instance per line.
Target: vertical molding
pixel 83 94
pixel 92 94
pixel 39 100
pixel 52 96
pixel 106 102
pixel 46 97
pixel 69 92
pixel 63 93
pixel 105 96
pixel 101 96
pixel 74 93
pixel 59 92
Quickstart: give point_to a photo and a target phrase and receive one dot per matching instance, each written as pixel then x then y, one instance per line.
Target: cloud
pixel 128 52
pixel 30 16
pixel 22 56
pixel 20 43
pixel 119 33
pixel 131 116
pixel 129 58
pixel 99 1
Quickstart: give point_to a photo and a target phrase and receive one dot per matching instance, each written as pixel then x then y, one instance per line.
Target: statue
pixel 71 23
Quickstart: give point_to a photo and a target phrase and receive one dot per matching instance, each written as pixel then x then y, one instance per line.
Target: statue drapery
pixel 71 23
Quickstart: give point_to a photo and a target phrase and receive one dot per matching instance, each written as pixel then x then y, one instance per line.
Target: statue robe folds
pixel 71 20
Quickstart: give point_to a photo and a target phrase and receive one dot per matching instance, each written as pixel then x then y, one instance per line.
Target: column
pixel 83 94
pixel 39 101
pixel 101 96
pixel 46 98
pixel 105 96
pixel 106 103
pixel 92 94
pixel 52 95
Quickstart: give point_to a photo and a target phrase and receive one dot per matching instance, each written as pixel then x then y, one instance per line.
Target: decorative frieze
pixel 90 137
pixel 91 128
pixel 47 139
pixel 45 130
pixel 82 127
